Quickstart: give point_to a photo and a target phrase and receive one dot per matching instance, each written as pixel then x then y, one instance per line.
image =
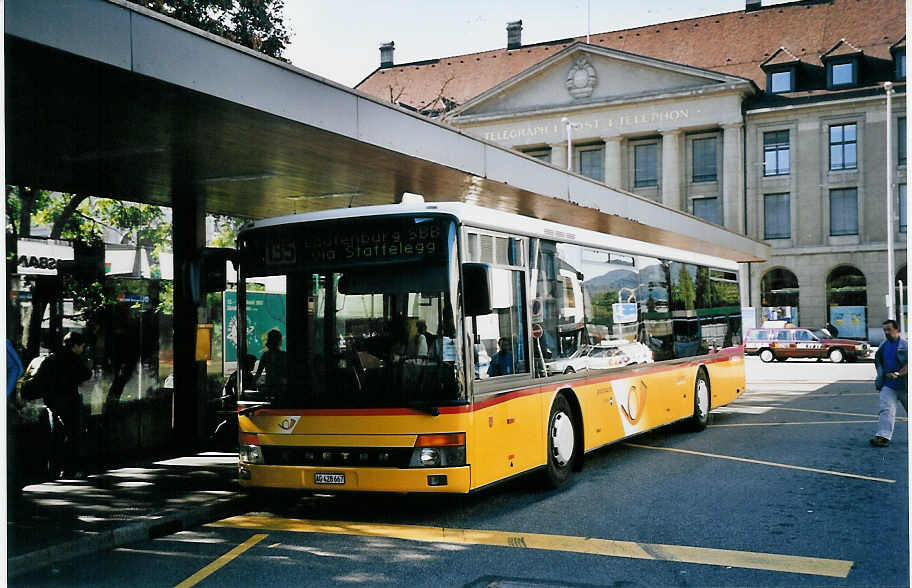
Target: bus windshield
pixel 370 319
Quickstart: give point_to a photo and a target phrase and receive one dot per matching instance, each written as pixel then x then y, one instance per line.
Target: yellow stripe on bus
pixel 605 547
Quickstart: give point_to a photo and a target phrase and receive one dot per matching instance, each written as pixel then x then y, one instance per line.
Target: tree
pixel 257 24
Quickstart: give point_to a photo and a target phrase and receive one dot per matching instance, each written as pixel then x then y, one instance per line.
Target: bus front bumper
pixel 451 480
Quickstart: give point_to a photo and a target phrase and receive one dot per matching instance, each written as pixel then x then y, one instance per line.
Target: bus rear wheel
pixel 700 417
pixel 562 439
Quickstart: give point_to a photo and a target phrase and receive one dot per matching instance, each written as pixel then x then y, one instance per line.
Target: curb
pixel 162 525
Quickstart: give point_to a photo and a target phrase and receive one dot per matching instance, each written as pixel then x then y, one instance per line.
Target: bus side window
pixel 502 349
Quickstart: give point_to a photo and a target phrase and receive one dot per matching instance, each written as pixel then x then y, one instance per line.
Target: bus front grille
pixel 384 457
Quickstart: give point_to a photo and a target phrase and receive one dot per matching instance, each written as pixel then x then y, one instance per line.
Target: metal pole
pixel 566 122
pixel 888 88
pixel 902 315
pixel 588 18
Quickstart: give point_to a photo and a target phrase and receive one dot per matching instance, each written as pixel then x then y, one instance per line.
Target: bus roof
pixel 496 220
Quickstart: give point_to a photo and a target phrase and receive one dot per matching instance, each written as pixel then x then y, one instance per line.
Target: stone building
pixel 770 121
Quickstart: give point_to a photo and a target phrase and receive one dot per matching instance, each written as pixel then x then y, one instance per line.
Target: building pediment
pixel 589 75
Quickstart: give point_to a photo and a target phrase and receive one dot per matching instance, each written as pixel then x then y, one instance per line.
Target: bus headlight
pixel 249 450
pixel 250 454
pixel 439 450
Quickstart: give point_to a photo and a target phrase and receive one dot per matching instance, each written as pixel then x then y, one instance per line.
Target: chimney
pixel 386 54
pixel 514 34
pixel 752 5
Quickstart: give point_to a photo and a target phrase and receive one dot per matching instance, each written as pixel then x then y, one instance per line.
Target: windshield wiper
pixel 424 407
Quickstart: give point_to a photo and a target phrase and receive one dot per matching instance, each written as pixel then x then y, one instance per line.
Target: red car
pixel 783 343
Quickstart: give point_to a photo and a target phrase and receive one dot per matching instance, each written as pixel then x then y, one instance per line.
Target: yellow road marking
pixel 680 553
pixel 793 423
pixel 769 463
pixel 220 562
pixel 858 414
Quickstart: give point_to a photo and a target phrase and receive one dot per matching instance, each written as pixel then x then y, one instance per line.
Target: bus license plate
pixel 329 478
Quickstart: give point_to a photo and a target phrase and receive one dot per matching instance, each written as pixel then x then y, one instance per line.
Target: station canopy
pixel 110 99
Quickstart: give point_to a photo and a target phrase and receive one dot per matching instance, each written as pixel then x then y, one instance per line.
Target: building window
pixel 900 57
pixel 646 165
pixel 902 208
pixel 842 73
pixel 776 216
pixel 707 209
pixel 843 147
pixel 704 159
pixel 776 153
pixel 901 141
pixel 781 81
pixel 844 212
pixel 543 153
pixel 591 162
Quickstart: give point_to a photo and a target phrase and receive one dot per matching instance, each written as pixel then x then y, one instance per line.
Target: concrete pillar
pixel 733 177
pixel 672 180
pixel 613 165
pixel 189 234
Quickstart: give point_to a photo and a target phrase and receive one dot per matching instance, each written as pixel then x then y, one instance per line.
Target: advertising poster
pixel 265 311
pixel 850 320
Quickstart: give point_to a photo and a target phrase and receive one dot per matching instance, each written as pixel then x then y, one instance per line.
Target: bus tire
pixel 562 438
pixel 702 396
pixel 837 356
pixel 766 355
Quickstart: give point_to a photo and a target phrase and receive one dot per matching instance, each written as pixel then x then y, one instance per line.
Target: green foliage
pixel 226 230
pixel 684 293
pixel 257 24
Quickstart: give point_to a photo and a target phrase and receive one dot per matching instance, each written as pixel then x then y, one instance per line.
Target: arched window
pixel 847 300
pixel 779 296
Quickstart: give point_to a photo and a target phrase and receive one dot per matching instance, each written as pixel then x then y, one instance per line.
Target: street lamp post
pixel 891 314
pixel 569 125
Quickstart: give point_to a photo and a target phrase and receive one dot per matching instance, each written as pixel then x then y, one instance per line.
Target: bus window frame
pixel 486 388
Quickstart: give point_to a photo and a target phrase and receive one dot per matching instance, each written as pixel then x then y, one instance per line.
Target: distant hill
pixel 612 281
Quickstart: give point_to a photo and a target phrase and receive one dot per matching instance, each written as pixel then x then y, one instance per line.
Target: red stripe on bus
pixel 645 369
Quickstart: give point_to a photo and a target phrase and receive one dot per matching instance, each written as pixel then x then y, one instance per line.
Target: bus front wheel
pixel 562 441
pixel 700 417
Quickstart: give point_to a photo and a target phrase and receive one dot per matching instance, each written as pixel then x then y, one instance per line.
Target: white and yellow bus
pixel 420 340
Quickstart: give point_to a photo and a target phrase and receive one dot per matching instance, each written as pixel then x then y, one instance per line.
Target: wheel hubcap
pixel 562 439
pixel 702 398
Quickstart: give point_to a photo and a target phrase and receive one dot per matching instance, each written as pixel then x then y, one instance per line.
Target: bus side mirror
pixel 476 286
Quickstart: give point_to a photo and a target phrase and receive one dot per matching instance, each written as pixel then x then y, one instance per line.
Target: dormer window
pixel 842 73
pixel 842 62
pixel 898 50
pixel 781 71
pixel 781 81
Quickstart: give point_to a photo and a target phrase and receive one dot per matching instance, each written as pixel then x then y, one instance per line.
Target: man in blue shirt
pixel 891 362
pixel 502 361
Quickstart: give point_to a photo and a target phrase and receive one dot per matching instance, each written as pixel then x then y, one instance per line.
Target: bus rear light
pixel 250 454
pixel 248 439
pixel 441 440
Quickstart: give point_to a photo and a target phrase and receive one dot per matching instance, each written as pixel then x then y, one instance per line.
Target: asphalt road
pixel 782 489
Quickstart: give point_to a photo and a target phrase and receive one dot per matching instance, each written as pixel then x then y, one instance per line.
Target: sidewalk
pixel 64 519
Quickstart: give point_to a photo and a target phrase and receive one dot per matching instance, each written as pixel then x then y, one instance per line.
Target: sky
pixel 340 39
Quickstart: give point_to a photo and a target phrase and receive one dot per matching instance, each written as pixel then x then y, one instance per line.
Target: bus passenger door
pixel 507 428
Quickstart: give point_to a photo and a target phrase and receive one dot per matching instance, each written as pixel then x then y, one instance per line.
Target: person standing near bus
pixel 891 362
pixel 68 371
pixel 273 361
